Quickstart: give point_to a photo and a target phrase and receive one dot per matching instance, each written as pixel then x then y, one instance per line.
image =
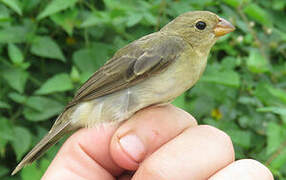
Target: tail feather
pixel 49 140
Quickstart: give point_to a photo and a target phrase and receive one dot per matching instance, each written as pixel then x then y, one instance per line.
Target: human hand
pixel 156 143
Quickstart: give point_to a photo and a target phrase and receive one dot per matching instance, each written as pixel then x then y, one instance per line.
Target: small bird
pixel 152 70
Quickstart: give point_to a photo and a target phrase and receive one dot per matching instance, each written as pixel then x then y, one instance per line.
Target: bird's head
pixel 200 29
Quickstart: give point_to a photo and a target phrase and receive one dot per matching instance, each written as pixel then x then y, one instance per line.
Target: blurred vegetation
pixel 48 48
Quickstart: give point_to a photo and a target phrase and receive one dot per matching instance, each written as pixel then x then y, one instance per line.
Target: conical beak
pixel 223 27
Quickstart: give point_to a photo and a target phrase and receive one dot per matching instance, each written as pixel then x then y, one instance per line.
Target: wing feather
pixel 131 65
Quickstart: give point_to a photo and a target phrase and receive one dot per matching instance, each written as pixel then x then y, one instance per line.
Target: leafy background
pixel 49 48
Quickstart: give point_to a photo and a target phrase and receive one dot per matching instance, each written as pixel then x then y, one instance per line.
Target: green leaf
pixel 263 95
pixel 202 106
pixel 30 5
pixel 90 59
pixel 241 138
pixel 67 20
pixel 16 78
pixel 6 132
pixel 258 14
pixel 247 100
pixel 3 171
pixel 13 34
pixel 21 99
pixel 233 3
pixel 75 76
pixel 96 18
pixel 14 5
pixel 279 160
pixel 84 76
pixel 279 93
pixel 256 63
pixel 229 62
pixel 224 77
pixel 4 13
pixel 84 59
pixel 4 105
pixel 124 5
pixel 57 83
pixel 31 172
pixel 55 6
pixel 150 18
pixel 15 54
pixel 40 103
pixel 179 7
pixel 279 5
pixel 45 163
pixel 41 108
pixel 275 137
pixel 46 47
pixel 21 141
pixel 134 19
pixel 273 109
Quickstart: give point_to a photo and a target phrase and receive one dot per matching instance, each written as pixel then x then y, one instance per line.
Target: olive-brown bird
pixel 152 70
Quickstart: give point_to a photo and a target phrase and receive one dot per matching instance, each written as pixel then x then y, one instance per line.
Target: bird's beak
pixel 223 27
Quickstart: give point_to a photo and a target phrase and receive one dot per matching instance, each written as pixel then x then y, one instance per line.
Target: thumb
pixel 85 154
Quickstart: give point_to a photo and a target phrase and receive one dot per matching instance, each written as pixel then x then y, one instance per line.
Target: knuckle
pixel 221 138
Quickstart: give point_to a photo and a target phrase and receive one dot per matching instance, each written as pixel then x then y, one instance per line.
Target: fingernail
pixel 133 146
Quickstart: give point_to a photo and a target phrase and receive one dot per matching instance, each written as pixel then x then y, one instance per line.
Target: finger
pixel 85 155
pixel 145 132
pixel 246 169
pixel 195 154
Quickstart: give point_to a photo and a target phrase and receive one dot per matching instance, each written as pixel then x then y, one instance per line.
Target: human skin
pixel 156 143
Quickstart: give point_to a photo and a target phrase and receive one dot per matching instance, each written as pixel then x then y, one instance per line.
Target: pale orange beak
pixel 223 27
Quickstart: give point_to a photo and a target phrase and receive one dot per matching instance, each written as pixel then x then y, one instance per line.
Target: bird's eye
pixel 201 25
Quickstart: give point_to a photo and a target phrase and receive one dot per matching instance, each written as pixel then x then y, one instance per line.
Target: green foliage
pixel 57 83
pixel 16 78
pixel 56 6
pixel 15 54
pixel 14 5
pixel 39 108
pixel 21 141
pixel 49 48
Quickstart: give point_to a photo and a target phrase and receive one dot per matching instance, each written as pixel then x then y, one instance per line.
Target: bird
pixel 152 70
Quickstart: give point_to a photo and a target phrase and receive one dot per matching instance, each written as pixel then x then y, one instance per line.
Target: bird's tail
pixel 53 136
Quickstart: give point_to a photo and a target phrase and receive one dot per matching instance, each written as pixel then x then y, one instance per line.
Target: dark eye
pixel 201 25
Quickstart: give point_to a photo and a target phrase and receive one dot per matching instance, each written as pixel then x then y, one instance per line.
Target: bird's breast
pixel 179 76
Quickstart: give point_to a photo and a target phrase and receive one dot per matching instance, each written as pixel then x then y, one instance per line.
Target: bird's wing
pixel 131 65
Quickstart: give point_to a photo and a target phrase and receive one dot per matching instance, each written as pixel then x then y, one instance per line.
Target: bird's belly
pixel 118 106
pixel 121 105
